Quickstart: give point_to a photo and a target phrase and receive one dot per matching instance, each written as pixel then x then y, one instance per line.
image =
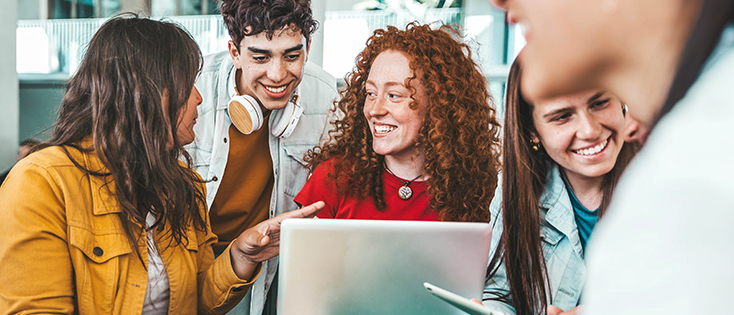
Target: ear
pixel 234 53
pixel 308 49
pixel 534 138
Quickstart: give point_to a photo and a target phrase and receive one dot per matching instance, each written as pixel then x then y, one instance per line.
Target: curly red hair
pixel 459 134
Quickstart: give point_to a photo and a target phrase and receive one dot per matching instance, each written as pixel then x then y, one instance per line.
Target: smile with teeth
pixel 593 150
pixel 384 128
pixel 275 89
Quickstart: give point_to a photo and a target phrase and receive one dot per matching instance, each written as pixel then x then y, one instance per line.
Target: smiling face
pixel 271 69
pixel 583 132
pixel 394 125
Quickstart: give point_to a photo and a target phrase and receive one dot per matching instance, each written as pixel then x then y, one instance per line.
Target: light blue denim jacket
pixel 210 148
pixel 561 247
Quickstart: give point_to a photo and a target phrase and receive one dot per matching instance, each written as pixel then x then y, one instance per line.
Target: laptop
pixel 342 267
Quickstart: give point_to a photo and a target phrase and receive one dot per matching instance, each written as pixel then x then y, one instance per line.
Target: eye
pixel 561 118
pixel 371 95
pixel 599 104
pixel 260 58
pixel 293 57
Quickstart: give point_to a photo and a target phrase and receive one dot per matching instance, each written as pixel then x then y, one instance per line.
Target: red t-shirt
pixel 319 187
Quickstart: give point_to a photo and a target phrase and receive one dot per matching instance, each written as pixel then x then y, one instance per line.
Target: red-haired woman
pixel 418 135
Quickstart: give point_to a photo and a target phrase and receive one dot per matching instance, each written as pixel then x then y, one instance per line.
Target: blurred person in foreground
pixel 664 246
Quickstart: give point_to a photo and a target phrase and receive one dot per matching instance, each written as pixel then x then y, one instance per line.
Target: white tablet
pixel 342 267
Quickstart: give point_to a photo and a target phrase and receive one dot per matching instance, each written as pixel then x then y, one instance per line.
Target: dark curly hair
pixel 459 135
pixel 251 17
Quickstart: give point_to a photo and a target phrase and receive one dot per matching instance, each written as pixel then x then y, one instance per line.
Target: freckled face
pixel 583 132
pixel 394 125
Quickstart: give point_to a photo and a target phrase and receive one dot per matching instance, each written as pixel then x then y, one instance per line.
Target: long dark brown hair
pixel 116 99
pixel 459 133
pixel 525 172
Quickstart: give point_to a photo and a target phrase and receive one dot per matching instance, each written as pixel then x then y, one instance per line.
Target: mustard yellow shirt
pixel 63 249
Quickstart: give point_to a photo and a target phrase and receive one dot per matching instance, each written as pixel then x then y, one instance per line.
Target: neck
pixel 587 190
pixel 645 75
pixel 406 167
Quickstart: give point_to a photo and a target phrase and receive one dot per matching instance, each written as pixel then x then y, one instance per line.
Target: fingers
pixel 477 301
pixel 309 211
pixel 553 310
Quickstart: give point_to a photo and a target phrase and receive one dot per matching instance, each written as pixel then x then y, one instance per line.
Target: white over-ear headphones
pixel 244 110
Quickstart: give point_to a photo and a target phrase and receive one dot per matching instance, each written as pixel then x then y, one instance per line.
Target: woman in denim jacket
pixel 561 158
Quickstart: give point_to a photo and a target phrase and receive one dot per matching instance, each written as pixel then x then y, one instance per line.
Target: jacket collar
pixel 101 188
pixel 558 210
pixel 226 73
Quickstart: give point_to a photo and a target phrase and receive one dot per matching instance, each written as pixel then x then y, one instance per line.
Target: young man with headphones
pixel 264 106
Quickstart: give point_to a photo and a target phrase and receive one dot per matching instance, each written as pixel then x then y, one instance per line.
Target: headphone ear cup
pixel 286 119
pixel 245 113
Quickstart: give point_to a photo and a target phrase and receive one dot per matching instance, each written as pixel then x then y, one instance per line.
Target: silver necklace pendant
pixel 405 192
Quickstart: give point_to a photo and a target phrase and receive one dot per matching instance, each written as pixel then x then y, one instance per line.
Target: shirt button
pixel 215 179
pixel 97 251
pixel 225 140
pixel 276 171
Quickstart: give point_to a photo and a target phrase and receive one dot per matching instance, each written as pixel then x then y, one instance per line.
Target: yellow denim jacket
pixel 63 249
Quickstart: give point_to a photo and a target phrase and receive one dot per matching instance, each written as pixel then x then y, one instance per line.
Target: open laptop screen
pixel 378 267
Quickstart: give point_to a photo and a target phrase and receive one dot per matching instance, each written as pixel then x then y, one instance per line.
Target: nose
pixel 197 96
pixel 277 70
pixel 378 108
pixel 499 3
pixel 589 127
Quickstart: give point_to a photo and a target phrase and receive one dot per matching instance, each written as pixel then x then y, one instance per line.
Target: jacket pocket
pixel 294 169
pixel 551 237
pixel 98 268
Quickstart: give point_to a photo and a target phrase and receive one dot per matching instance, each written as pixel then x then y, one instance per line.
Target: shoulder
pixel 318 75
pixel 214 62
pixel 51 157
pixel 318 90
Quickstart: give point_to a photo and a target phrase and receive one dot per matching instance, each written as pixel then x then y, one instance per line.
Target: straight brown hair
pixel 525 175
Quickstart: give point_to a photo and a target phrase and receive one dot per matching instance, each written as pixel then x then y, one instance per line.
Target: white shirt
pixel 158 290
pixel 666 244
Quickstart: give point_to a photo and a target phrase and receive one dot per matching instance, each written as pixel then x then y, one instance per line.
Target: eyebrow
pixel 268 52
pixel 388 84
pixel 595 96
pixel 557 111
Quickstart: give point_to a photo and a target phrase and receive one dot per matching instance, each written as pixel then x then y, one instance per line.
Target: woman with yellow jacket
pixel 104 219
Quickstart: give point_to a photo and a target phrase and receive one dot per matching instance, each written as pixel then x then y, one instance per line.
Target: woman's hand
pixel 552 310
pixel 262 242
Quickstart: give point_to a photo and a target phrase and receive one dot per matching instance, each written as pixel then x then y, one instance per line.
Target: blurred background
pixel 43 42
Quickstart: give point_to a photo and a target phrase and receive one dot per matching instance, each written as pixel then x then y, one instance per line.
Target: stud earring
pixel 535 145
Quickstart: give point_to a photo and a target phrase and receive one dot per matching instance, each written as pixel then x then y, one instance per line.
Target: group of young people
pixel 168 173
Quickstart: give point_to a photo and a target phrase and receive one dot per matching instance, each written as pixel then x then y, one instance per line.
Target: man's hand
pixel 552 310
pixel 262 242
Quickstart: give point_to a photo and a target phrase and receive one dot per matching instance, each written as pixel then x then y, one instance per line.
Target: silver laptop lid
pixel 378 267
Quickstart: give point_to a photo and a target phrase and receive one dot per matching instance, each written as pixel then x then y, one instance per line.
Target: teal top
pixel 585 219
